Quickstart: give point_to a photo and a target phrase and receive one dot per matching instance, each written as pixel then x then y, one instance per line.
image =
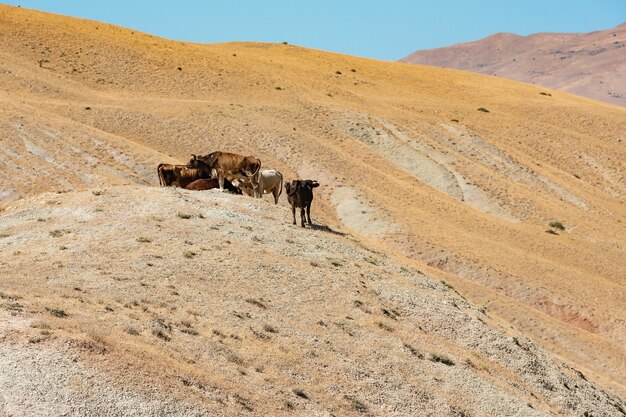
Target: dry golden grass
pixel 406 160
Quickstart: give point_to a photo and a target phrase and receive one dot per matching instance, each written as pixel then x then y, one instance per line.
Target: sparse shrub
pixel 358 303
pixel 289 405
pixel 392 314
pixel 3 235
pixel 189 254
pixel 338 72
pixel 256 303
pixel 15 306
pixel 546 94
pixel 142 239
pixel 413 351
pixel 384 326
pixel 551 231
pixel 371 261
pixel 131 330
pixel 63 247
pixel 300 393
pixel 236 359
pixel 482 109
pixel 184 215
pixel 269 328
pixel 160 334
pixel 445 284
pixel 189 330
pixel 557 225
pixel 278 88
pixel 56 233
pixel 436 357
pixel 57 312
pixel 454 120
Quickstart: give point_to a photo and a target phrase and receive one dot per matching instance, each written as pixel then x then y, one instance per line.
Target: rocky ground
pixel 137 300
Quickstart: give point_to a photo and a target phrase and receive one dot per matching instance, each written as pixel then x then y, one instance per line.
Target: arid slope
pixel 588 64
pixel 407 162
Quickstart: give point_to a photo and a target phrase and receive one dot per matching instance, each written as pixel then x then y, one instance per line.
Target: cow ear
pixel 193 157
pixel 315 184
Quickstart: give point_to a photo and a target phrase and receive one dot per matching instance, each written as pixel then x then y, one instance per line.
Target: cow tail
pixel 258 168
pixel 160 174
pixel 281 184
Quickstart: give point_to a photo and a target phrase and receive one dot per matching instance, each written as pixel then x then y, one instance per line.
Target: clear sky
pixel 386 30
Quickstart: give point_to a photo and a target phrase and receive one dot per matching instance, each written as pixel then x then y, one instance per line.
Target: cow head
pixel 251 166
pixel 312 183
pixel 193 163
pixel 292 187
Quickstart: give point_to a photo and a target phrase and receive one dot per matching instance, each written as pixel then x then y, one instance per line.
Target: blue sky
pixel 386 30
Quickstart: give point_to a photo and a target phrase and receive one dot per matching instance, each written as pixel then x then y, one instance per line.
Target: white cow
pixel 268 180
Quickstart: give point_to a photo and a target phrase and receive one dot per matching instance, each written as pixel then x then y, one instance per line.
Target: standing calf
pixel 268 181
pixel 300 194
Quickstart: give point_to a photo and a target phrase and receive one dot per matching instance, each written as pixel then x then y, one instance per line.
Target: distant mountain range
pixel 587 64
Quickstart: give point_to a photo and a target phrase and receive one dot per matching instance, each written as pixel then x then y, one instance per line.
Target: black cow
pixel 300 194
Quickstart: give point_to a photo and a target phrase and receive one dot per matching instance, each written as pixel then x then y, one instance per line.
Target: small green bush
pixel 557 225
pixel 436 357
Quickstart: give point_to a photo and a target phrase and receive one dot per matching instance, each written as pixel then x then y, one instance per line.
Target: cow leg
pixel 220 180
pixel 302 218
pixel 275 193
pixel 293 211
pixel 308 212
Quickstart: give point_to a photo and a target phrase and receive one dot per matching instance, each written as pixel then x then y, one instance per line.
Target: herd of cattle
pixel 238 174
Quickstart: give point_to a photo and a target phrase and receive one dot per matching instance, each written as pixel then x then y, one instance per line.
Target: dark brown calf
pixel 300 194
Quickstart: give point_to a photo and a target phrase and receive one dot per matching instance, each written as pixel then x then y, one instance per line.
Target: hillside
pixel 410 169
pixel 587 64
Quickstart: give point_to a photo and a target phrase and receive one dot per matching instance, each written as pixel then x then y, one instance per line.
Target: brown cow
pixel 181 175
pixel 211 183
pixel 300 194
pixel 168 174
pixel 231 166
